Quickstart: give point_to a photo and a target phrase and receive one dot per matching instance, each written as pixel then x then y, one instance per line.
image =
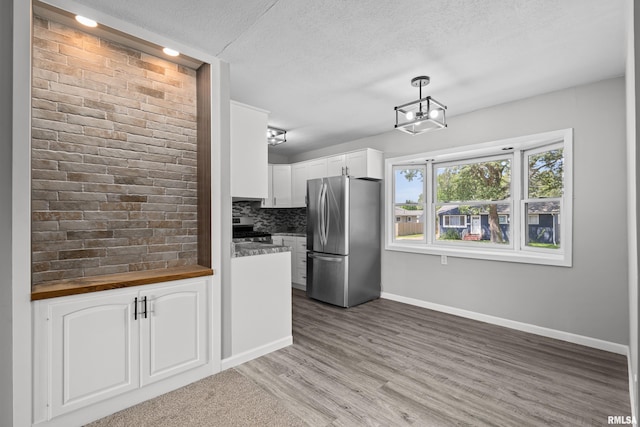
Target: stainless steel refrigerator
pixel 343 240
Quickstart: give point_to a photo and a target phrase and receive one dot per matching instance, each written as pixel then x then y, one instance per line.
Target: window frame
pixel 395 168
pixel 515 149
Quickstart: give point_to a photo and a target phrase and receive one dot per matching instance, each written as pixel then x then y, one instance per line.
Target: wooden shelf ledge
pixel 85 285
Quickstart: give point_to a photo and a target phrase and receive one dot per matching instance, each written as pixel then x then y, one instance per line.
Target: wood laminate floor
pixel 387 363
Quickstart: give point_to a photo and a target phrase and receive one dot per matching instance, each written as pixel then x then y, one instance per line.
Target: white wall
pixel 6 118
pixel 631 76
pixel 589 299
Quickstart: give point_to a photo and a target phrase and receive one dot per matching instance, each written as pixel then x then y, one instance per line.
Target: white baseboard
pixel 520 326
pixel 299 286
pixel 254 353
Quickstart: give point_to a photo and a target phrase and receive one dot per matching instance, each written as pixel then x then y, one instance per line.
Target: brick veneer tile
pixel 113 157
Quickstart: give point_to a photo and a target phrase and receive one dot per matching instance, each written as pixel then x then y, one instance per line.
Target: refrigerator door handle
pixel 326 258
pixel 326 214
pixel 320 212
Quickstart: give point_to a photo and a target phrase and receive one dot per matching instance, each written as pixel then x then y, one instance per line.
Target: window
pixel 408 200
pixel 454 220
pixel 502 200
pixel 544 171
pixel 474 188
pixel 398 219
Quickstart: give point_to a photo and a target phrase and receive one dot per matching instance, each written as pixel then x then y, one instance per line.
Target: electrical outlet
pixel 443 259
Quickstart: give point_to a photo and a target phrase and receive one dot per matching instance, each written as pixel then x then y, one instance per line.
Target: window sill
pixel 524 257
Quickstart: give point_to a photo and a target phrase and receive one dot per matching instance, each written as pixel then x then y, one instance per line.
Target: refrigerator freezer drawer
pixel 327 278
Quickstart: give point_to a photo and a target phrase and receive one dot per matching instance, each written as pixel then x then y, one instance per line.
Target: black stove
pixel 243 229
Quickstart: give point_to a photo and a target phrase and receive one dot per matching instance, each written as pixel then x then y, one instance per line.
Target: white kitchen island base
pixel 260 306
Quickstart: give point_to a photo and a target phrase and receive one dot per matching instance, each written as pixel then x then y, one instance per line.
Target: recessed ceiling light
pixel 170 52
pixel 86 21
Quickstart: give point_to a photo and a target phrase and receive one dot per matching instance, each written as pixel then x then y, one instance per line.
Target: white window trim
pixel 537 222
pixel 514 252
pixel 391 182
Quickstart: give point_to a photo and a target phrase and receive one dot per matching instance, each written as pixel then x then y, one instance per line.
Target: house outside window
pixel 502 200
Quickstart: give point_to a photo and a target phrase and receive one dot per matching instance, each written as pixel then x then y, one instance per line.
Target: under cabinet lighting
pixel 86 21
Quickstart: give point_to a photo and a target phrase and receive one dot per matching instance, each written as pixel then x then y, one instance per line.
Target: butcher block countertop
pixel 85 285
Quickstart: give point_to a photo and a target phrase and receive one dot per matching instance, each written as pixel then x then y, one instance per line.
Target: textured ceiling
pixel 331 71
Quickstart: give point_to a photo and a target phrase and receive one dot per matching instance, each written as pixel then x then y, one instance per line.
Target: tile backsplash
pixel 290 220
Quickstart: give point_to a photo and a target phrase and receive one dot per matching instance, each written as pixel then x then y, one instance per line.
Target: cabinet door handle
pixel 144 301
pixel 135 308
pixel 274 201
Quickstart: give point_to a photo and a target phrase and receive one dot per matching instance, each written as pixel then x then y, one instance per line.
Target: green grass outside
pixel 543 245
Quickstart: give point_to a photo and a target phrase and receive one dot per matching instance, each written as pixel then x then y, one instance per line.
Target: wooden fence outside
pixel 408 228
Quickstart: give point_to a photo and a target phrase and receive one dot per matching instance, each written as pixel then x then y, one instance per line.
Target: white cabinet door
pixel 291 242
pixel 248 151
pixel 281 186
pixel 336 165
pixel 268 201
pixel 316 169
pixel 300 273
pixel 94 350
pixel 356 164
pixel 173 330
pixel 298 184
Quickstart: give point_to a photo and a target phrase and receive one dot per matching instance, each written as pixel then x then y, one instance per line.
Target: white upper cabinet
pixel 248 151
pixel 316 169
pixel 279 187
pixel 336 165
pixel 268 201
pixel 298 184
pixel 365 163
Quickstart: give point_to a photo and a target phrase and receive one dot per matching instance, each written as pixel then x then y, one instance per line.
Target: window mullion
pixel 518 184
pixel 429 207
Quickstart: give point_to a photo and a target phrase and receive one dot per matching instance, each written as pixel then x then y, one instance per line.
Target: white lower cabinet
pixel 173 332
pixel 94 347
pixel 298 246
pixel 94 350
pixel 299 275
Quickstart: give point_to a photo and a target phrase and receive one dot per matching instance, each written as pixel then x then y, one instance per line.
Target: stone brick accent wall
pixel 113 158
